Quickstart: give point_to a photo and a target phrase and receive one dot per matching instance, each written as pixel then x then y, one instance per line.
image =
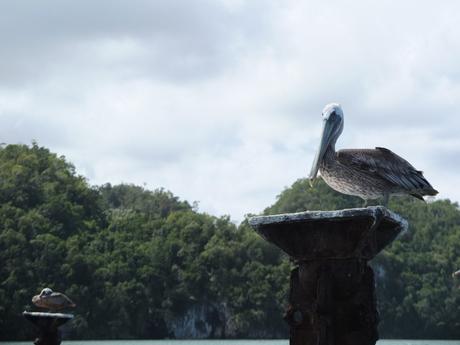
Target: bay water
pixel 227 342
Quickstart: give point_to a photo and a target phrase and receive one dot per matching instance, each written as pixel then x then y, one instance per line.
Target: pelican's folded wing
pixel 387 165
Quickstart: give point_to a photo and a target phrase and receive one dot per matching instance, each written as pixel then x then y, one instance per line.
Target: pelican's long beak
pixel 326 136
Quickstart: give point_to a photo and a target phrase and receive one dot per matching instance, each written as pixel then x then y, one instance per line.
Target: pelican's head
pixel 331 130
pixel 46 292
pixel 331 109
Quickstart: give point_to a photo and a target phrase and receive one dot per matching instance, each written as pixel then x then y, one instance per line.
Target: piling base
pixel 332 302
pixel 48 326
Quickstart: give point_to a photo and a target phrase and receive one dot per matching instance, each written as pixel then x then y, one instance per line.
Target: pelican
pixel 52 300
pixel 367 173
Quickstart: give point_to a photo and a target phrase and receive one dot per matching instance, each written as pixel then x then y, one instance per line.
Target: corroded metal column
pixel 332 292
pixel 48 326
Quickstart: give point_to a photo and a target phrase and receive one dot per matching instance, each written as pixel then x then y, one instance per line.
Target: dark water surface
pixel 228 342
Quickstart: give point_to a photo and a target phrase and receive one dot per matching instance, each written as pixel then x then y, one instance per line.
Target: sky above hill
pixel 220 101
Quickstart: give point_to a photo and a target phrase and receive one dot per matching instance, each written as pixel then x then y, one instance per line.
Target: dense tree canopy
pixel 145 264
pixel 416 294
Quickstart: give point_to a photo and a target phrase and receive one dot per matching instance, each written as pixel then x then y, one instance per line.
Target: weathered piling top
pixel 348 233
pixel 47 320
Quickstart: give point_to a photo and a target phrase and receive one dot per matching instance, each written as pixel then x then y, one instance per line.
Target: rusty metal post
pixel 48 326
pixel 332 291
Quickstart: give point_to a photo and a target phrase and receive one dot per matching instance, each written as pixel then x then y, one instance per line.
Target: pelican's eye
pixel 332 115
pixel 327 116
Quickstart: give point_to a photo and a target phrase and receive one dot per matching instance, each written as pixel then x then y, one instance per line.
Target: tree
pixel 417 296
pixel 145 264
pixel 43 203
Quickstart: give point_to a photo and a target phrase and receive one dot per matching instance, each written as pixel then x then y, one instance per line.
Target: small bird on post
pixel 367 173
pixel 52 300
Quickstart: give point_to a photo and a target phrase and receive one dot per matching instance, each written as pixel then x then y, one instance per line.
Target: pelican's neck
pixel 329 155
pixel 330 151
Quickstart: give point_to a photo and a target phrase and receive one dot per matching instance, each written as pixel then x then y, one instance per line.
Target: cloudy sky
pixel 220 101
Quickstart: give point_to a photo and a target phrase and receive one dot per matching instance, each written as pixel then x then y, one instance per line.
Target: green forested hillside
pixel 145 264
pixel 416 294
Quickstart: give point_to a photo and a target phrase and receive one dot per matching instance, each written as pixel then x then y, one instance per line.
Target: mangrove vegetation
pixel 145 264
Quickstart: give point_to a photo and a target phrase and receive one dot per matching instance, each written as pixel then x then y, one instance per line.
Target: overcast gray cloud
pixel 220 101
pixel 172 40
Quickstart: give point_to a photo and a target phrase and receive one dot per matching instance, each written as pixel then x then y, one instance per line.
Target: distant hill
pixel 418 299
pixel 145 264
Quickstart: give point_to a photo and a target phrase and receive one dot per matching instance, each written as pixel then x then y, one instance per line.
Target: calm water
pixel 230 342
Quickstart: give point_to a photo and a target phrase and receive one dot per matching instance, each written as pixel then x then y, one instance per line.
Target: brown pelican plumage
pixel 52 300
pixel 367 173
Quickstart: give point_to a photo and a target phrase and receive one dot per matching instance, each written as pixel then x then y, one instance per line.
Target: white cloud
pixel 220 101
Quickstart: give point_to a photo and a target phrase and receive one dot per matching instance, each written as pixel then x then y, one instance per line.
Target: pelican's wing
pixel 60 300
pixel 387 165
